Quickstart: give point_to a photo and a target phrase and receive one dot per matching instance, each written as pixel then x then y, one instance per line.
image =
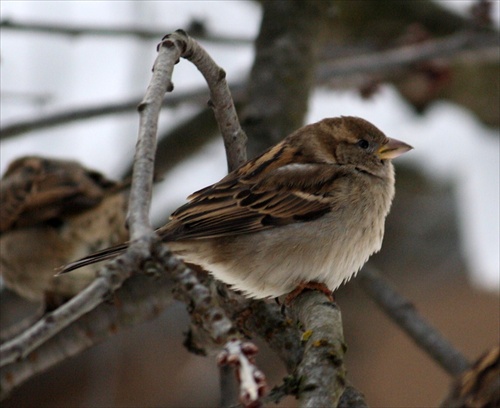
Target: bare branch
pixel 209 317
pixel 149 112
pixel 106 31
pixel 386 62
pixel 197 96
pixel 266 320
pixel 404 314
pixel 220 97
pixel 334 71
pixel 52 323
pixel 141 298
pixel 115 273
pixel 321 371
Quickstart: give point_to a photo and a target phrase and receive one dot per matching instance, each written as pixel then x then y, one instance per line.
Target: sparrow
pixel 53 211
pixel 310 210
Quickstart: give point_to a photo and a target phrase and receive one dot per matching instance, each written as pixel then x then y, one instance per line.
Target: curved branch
pixel 220 97
pixel 116 272
pixel 149 113
pixel 404 314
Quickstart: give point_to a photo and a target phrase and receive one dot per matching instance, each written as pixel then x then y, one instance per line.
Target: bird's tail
pixel 99 256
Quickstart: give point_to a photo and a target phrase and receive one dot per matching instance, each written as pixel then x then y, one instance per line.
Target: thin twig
pixel 197 96
pixel 404 314
pixel 106 31
pixel 386 62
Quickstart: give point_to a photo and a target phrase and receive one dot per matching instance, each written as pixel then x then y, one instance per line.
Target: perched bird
pixel 53 211
pixel 310 210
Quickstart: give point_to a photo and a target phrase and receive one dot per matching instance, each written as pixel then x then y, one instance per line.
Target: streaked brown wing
pixel 239 206
pixel 36 189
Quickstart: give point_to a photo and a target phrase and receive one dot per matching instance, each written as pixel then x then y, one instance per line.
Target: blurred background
pixel 442 240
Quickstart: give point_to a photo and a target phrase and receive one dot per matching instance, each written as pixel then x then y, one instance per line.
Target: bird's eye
pixel 363 144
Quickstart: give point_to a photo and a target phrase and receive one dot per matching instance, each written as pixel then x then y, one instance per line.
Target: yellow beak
pixel 392 149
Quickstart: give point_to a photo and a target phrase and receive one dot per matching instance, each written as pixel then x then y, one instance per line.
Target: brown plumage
pixel 311 208
pixel 53 211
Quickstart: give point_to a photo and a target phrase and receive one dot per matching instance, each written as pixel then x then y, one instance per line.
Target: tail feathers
pixel 100 256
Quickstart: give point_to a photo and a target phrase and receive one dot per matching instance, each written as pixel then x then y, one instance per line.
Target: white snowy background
pixel 450 143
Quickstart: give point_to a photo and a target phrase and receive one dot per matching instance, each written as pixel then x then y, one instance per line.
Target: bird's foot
pixel 311 285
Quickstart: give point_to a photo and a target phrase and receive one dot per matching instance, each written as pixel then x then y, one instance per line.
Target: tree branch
pixel 321 371
pixel 389 61
pixel 404 314
pixel 140 229
pixel 266 320
pixel 16 128
pixel 333 71
pixel 213 319
pixel 149 113
pixel 282 74
pixel 52 323
pixel 220 97
pixel 105 31
pixel 141 298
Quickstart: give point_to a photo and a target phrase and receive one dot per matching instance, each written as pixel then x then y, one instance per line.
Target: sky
pixel 73 72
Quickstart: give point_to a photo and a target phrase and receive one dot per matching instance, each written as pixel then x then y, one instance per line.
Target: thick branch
pixel 404 314
pixel 282 75
pixel 321 371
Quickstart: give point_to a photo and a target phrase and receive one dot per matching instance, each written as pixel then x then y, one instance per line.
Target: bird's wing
pixel 35 189
pixel 239 205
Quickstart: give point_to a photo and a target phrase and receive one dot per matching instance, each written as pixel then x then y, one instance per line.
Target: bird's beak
pixel 392 149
